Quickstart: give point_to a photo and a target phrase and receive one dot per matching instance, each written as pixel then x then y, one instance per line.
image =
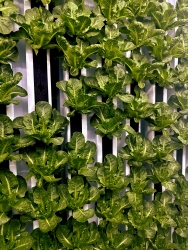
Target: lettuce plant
pixel 108 83
pixel 110 174
pixel 8 50
pixel 7 7
pixel 79 20
pixel 108 121
pixel 10 142
pixel 76 194
pixel 45 124
pixel 44 240
pixel 77 235
pixel 12 191
pixel 13 236
pixel 43 162
pixel 111 207
pixel 80 153
pixel 78 98
pixel 9 88
pixel 76 56
pixel 36 21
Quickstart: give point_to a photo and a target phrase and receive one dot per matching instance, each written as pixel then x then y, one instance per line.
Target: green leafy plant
pixel 7 7
pixel 80 153
pixel 13 236
pixel 108 121
pixel 79 20
pixel 12 191
pixel 78 98
pixel 43 162
pixel 42 204
pixel 44 124
pixel 10 142
pixel 107 83
pixel 77 235
pixel 76 56
pixel 8 50
pixel 77 194
pixel 36 21
pixel 137 210
pixel 8 86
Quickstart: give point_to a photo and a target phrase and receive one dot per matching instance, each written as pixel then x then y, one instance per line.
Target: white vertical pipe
pixel 150 90
pixel 98 137
pixel 65 110
pixel 127 167
pixel 84 116
pixel 84 128
pixel 114 140
pixel 49 71
pixel 10 112
pixel 49 76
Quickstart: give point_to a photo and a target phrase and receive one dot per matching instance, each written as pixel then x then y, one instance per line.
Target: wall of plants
pixel 146 209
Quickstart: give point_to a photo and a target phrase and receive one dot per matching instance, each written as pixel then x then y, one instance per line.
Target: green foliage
pixel 45 124
pixel 7 7
pixel 42 162
pixel 162 117
pixel 137 41
pixel 77 56
pixel 13 237
pixel 10 142
pixel 42 204
pixel 78 97
pixel 110 174
pixel 108 121
pixel 111 207
pixel 9 88
pixel 8 50
pixel 37 27
pixel 12 191
pixel 138 150
pixel 80 153
pixel 77 194
pixel 79 20
pixel 107 83
pixel 137 107
pixel 76 235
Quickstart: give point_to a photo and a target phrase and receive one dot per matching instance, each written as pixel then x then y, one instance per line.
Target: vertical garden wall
pixel 93 125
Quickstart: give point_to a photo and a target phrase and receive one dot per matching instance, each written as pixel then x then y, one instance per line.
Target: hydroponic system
pixel 123 73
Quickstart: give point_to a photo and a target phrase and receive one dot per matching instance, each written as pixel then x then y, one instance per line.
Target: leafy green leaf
pixel 37 26
pixel 108 83
pixel 78 98
pixel 5 25
pixel 76 56
pixel 8 50
pixel 8 85
pixel 3 218
pixel 137 107
pixel 49 224
pixel 138 150
pixel 43 124
pixel 82 215
pixel 108 121
pixel 122 240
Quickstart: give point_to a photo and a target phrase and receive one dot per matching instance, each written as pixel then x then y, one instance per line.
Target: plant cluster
pixel 132 213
